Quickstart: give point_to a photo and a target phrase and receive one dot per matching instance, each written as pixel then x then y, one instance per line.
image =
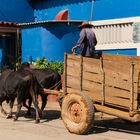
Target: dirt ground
pixel 51 127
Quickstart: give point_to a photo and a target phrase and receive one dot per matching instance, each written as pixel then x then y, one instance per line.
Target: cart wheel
pixel 77 113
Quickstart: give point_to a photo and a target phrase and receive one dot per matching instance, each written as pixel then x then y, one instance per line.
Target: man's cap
pixel 85 24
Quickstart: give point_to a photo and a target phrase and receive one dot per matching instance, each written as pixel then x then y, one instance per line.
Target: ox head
pixel 24 65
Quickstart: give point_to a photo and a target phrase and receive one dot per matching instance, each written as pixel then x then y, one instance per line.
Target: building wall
pixel 47 9
pixel 50 41
pixel 16 11
pixel 132 52
pixel 110 9
pixel 118 36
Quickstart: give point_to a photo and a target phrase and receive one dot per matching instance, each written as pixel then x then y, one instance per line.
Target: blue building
pixel 11 13
pixel 16 11
pixel 112 9
pixel 51 37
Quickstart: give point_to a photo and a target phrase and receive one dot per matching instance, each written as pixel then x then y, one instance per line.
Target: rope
pixel 56 85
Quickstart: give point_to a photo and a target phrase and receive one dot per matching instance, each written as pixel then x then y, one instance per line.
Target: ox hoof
pixel 40 114
pixel 28 113
pixel 15 119
pixel 37 121
pixel 9 116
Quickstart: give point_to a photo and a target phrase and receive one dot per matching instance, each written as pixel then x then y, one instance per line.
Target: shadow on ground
pixel 101 125
pixel 115 124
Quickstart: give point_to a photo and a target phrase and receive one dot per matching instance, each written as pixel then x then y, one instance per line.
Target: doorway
pixel 7 49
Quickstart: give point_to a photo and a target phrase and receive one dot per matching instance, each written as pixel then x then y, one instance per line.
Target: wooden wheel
pixel 77 113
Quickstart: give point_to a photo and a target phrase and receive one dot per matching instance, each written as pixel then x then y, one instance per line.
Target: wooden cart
pixel 110 84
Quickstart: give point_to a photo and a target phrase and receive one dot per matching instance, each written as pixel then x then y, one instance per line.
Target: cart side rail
pixel 113 80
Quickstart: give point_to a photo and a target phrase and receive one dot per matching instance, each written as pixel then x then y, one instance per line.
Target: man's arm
pixel 80 40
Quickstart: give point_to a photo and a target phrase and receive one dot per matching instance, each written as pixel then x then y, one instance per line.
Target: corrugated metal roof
pixel 8 24
pixel 50 22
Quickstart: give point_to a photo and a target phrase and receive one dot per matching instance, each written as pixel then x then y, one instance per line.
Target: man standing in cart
pixel 87 40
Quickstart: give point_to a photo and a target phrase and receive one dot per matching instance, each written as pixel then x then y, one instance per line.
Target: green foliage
pixel 42 63
pixel 58 66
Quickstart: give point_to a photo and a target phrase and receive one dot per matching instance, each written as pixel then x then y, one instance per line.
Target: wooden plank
pixel 117 77
pixel 92 66
pixel 112 77
pixel 73 57
pixel 114 101
pixel 72 63
pixel 119 113
pixel 120 67
pixel 71 71
pixel 112 95
pixel 90 76
pixel 109 57
pixel 114 80
pixel 116 66
pixel 109 90
pixel 74 82
pixel 73 90
pixel 119 57
pixel 119 80
pixel 81 73
pixel 124 103
pixel 65 73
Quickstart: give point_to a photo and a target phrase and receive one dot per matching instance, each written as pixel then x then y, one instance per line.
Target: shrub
pixel 42 63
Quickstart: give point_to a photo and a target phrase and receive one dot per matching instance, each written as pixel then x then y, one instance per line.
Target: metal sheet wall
pixel 78 9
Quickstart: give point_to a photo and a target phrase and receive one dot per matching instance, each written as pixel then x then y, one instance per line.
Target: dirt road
pixel 52 128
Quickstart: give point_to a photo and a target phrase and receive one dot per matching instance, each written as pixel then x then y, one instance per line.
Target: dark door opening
pixel 7 49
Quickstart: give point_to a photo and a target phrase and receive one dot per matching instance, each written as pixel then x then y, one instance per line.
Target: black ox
pixel 47 78
pixel 21 84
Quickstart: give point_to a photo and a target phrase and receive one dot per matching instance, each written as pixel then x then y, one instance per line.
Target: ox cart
pixel 110 85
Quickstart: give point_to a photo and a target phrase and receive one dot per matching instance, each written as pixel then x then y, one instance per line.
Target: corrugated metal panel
pixel 50 22
pixel 9 24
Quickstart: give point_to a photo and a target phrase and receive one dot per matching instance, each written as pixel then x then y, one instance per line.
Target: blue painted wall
pixel 132 52
pixel 27 11
pixel 110 9
pixel 16 11
pixel 47 9
pixel 50 41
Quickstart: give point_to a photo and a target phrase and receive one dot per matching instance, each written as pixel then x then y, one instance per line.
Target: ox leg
pixel 44 101
pixel 37 110
pixel 19 105
pixel 2 110
pixel 28 106
pixel 18 111
pixel 9 115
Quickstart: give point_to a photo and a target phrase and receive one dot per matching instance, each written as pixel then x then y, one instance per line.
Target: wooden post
pixel 119 113
pixel 17 43
pixel 103 81
pixel 132 88
pixel 81 73
pixel 17 48
pixel 65 73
